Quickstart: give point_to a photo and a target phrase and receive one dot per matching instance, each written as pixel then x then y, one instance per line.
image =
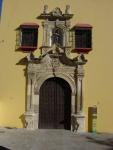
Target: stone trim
pixel 54 62
pixel 67 78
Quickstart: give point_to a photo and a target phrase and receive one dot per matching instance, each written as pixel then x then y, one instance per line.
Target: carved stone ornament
pixel 45 9
pixel 32 76
pixel 56 12
pixel 54 62
pixel 67 11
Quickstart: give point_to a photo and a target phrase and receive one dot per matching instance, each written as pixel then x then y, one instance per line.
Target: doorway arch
pixel 55 104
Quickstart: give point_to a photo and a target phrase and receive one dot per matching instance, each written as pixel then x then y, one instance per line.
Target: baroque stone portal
pixel 55 63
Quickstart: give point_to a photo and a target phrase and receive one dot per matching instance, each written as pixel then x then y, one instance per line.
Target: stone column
pixel 64 39
pixel 79 116
pixel 29 95
pixel 50 37
pixel 79 94
pixel 67 33
pixel 67 38
pixel 30 115
pixel 43 24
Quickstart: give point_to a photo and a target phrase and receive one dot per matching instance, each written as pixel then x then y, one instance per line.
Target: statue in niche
pixel 57 37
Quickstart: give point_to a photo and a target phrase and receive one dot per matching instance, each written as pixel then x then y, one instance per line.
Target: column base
pixel 78 123
pixel 31 119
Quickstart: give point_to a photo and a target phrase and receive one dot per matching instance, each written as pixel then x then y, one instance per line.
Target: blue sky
pixel 0 6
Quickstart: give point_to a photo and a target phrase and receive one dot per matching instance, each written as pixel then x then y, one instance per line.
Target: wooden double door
pixel 55 104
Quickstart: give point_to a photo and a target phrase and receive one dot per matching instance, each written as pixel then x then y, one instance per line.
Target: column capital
pixel 81 60
pixel 79 71
pixel 31 76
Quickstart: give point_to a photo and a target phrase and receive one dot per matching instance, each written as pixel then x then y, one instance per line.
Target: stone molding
pixel 39 72
pixel 54 62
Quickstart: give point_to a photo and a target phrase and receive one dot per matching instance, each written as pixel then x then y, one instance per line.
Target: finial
pixel 45 9
pixel 67 10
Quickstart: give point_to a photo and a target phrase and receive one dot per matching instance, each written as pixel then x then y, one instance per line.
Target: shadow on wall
pixel 22 118
pixel 23 61
pixel 4 148
pixel 74 123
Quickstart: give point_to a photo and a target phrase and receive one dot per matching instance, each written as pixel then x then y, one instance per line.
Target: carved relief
pixel 54 62
pixel 56 12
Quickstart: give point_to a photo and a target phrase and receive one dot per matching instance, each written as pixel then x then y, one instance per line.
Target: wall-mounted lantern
pixel 28 37
pixel 83 38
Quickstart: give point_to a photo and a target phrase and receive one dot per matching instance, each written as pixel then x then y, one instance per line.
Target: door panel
pixel 55 104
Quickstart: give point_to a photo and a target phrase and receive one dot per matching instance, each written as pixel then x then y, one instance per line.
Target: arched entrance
pixel 55 104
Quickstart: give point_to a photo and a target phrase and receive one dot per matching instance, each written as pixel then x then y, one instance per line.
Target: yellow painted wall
pixel 98 80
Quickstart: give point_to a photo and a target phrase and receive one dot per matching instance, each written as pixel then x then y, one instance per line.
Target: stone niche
pixel 55 63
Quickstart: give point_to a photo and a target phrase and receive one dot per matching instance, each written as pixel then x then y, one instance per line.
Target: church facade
pixel 57 65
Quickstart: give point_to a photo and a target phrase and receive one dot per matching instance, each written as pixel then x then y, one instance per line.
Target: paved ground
pixel 21 139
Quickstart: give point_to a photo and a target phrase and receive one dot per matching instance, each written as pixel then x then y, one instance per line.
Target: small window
pixel 57 37
pixel 29 37
pixel 83 38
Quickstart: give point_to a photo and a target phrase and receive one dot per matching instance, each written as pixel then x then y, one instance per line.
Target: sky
pixel 0 6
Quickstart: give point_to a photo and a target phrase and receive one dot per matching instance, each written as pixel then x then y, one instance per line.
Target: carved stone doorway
pixel 55 81
pixel 55 104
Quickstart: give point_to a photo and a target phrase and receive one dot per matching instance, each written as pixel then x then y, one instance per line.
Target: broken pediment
pixel 56 14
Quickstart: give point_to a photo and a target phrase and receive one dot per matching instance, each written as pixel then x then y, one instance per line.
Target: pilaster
pixel 31 116
pixel 79 116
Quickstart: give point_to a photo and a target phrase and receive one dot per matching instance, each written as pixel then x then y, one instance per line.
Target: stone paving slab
pixel 22 139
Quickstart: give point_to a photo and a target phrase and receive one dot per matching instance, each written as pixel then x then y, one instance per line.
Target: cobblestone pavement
pixel 22 139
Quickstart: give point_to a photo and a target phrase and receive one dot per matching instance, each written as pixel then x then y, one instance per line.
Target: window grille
pixel 28 37
pixel 83 38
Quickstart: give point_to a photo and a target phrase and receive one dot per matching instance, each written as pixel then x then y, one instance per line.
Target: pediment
pixel 56 56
